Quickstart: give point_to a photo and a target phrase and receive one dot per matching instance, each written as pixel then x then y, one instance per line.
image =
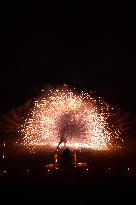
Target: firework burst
pixel 63 113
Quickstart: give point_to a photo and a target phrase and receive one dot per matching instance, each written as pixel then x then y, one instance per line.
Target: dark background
pixel 88 45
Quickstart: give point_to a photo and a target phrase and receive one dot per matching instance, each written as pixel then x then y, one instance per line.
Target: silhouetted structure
pixel 66 157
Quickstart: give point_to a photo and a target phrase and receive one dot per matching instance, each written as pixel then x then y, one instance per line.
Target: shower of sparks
pixel 79 117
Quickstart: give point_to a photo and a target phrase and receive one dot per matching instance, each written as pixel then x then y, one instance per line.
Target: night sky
pixel 89 46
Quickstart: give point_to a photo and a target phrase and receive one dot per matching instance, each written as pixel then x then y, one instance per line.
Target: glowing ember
pixel 63 114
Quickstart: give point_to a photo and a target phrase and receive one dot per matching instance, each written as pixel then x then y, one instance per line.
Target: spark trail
pixel 77 116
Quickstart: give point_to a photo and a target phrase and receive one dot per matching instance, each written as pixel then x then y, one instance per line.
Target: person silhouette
pixel 62 139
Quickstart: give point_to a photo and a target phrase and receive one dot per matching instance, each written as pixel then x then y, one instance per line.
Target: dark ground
pixel 95 186
pixel 61 189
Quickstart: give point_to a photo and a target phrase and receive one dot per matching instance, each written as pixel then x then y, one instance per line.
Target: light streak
pixel 56 158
